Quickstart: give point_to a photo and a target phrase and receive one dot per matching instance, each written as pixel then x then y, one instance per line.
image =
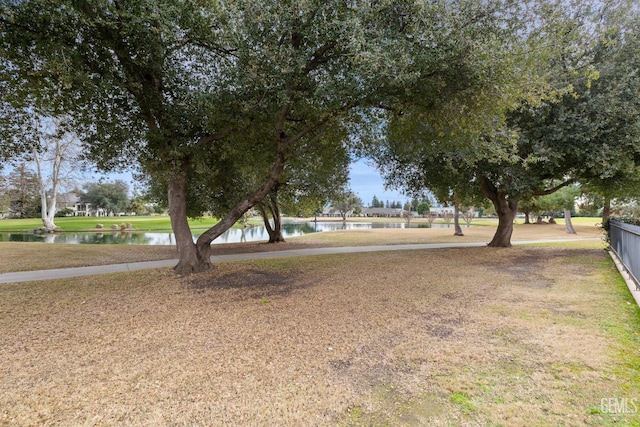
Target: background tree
pixel 139 205
pixel 601 193
pixel 562 200
pixel 407 212
pixel 346 203
pixel 111 197
pixel 468 121
pixel 528 206
pixel 5 200
pixel 590 203
pixel 569 134
pixel 375 203
pixel 468 214
pixel 22 192
pixel 423 207
pixel 442 175
pixel 56 157
pixel 310 180
pixel 270 211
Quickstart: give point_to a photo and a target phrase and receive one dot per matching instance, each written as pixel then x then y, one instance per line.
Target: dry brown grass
pixel 39 256
pixel 23 256
pixel 389 236
pixel 528 336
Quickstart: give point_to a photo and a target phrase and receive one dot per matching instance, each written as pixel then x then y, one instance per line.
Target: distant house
pixel 334 212
pixel 383 212
pixel 84 209
pixel 72 201
pixel 9 213
pixel 441 212
pixel 67 201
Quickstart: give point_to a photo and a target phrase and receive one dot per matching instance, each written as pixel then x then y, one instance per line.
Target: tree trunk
pixel 456 221
pixel 506 207
pixel 606 209
pixel 190 259
pixel 49 213
pixel 47 209
pixel 526 218
pixel 270 205
pixel 506 214
pixel 567 222
pixel 203 244
pixel 277 236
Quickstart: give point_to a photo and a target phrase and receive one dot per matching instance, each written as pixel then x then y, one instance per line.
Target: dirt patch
pixel 250 278
pixel 529 270
pixel 257 283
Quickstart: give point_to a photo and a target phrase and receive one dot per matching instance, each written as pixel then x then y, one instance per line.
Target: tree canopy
pixel 576 129
pixel 346 203
pixel 111 197
pixel 222 103
pixel 191 90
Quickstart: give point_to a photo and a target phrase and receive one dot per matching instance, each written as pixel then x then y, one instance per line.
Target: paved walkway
pixel 62 273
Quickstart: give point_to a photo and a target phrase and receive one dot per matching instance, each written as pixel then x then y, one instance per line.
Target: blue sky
pixel 365 182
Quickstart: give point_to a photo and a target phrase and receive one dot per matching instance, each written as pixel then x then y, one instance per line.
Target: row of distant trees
pixel 376 203
pixel 575 198
pixel 419 205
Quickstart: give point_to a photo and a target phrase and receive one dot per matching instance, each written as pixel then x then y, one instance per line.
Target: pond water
pixel 234 235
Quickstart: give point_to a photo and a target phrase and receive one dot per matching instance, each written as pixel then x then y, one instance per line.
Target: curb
pixel 631 284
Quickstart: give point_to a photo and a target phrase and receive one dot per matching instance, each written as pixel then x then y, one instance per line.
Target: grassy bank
pixel 89 223
pixel 527 336
pixel 164 223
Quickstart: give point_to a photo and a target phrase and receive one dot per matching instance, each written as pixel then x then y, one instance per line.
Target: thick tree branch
pixel 554 189
pixel 318 56
pixel 216 136
pixel 488 188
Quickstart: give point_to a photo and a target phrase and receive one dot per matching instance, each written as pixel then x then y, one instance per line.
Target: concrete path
pixel 62 273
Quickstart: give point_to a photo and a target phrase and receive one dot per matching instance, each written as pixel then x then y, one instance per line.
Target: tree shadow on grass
pixel 260 283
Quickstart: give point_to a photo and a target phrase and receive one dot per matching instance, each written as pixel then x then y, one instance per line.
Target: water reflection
pixel 234 235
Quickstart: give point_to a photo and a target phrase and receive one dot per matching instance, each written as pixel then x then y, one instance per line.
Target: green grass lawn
pixel 164 223
pixel 155 222
pixel 90 222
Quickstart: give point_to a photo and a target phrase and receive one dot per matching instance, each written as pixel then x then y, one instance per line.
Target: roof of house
pixel 331 211
pixel 383 211
pixel 70 198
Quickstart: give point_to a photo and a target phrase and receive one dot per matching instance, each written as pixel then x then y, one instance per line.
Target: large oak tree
pixel 584 126
pixel 191 89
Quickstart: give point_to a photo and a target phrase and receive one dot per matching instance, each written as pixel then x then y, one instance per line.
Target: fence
pixel 625 242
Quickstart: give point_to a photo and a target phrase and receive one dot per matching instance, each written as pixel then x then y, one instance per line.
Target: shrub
pixel 65 212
